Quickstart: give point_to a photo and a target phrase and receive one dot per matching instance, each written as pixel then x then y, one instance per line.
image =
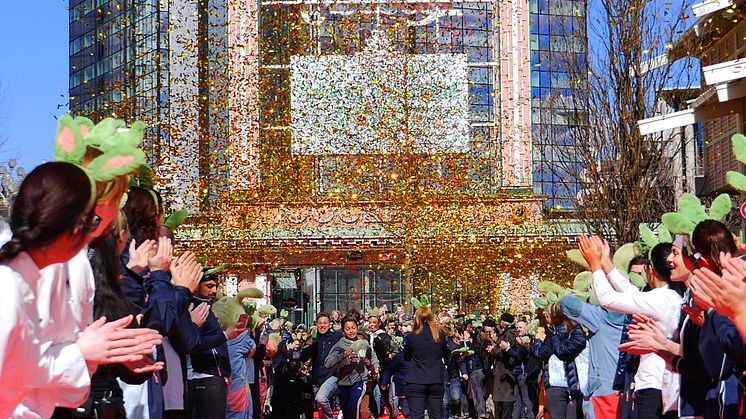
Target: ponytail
pixel 51 201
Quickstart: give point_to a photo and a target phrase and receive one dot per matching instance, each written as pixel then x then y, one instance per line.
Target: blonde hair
pixel 425 315
pixel 557 316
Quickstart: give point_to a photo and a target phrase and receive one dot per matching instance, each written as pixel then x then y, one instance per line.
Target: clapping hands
pixel 139 255
pixel 596 252
pixel 160 260
pixel 186 271
pixel 645 336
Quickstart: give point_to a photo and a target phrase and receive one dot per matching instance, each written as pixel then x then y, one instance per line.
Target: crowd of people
pixel 102 319
pixel 674 349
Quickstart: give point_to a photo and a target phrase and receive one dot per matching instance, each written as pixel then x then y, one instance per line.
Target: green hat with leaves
pixel 118 144
pixel 692 212
pixel 423 301
pixel 737 179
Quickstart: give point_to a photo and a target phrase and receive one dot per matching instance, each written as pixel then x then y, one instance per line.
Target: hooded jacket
pixel 349 371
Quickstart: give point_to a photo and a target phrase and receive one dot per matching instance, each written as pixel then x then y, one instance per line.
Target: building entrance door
pixel 347 288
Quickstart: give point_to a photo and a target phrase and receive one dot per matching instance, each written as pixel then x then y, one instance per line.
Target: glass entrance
pixel 346 288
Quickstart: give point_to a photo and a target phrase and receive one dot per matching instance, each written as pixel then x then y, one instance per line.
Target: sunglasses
pixel 695 261
pixel 90 222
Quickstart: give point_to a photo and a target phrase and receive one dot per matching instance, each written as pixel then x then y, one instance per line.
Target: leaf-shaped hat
pixel 117 143
pixel 423 301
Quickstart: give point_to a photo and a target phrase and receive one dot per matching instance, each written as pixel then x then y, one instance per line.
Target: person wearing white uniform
pixel 656 387
pixel 50 222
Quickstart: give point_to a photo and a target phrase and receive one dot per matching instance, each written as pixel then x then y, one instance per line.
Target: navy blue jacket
pixel 519 355
pixel 708 368
pixel 317 352
pixel 428 357
pixel 213 360
pixel 565 346
pixel 456 365
pixel 398 368
pixel 480 359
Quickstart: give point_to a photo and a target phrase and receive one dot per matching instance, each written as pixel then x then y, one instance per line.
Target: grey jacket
pixel 348 373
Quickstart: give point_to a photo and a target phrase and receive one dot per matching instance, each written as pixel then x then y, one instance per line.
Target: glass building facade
pixel 558 67
pixel 117 65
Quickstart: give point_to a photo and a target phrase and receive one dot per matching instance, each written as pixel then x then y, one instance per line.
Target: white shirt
pixel 29 364
pixel 64 303
pixel 662 305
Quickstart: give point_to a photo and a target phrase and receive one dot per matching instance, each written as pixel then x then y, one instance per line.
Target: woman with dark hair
pixel 106 398
pixel 109 164
pixel 143 214
pixel 656 389
pixel 348 359
pixel 427 348
pixel 559 349
pixel 51 221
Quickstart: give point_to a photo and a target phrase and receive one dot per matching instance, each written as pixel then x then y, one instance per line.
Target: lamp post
pixel 10 180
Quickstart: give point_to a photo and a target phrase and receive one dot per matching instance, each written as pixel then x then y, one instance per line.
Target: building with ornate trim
pixel 257 128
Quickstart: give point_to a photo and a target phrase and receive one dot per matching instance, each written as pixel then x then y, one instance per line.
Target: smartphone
pixel 242 319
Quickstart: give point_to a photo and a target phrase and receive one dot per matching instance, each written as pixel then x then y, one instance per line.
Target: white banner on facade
pixel 378 101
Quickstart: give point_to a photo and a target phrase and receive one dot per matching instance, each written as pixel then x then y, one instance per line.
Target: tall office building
pixel 161 62
pixel 558 58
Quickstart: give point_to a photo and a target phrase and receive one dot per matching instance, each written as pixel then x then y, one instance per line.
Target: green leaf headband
pixel 423 301
pixel 218 269
pixel 736 179
pixel 176 219
pixel 691 212
pixel 581 284
pixel 117 143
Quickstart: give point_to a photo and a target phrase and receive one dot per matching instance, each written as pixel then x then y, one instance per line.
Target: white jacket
pixel 663 305
pixel 64 303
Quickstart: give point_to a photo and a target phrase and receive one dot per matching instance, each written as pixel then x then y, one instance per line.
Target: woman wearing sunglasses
pixel 49 221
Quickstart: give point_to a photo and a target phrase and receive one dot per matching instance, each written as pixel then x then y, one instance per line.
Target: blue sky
pixel 33 77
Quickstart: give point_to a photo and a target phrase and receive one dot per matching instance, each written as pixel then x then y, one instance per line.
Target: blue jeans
pixel 325 397
pixel 446 398
pixel 404 406
pixel 349 399
pixel 476 385
pixel 454 398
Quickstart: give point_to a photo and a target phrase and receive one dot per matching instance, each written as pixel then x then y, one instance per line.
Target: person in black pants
pixel 292 397
pixel 426 347
pixel 211 367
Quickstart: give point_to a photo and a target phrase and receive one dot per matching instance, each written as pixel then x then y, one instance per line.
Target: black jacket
pixel 398 369
pixel 456 366
pixel 291 397
pixel 428 357
pixel 317 352
pixel 382 348
pixel 214 361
